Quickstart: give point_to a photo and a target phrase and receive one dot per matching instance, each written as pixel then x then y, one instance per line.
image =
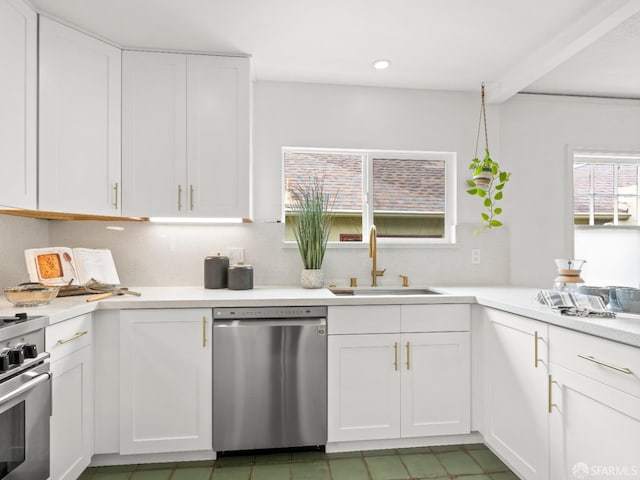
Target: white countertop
pixel 625 328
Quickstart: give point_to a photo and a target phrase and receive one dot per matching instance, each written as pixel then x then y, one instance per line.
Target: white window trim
pixel 600 156
pixel 450 160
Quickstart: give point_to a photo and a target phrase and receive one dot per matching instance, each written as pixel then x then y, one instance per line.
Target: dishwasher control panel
pixel 253 313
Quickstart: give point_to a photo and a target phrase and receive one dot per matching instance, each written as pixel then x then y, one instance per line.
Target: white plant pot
pixel 484 177
pixel 312 278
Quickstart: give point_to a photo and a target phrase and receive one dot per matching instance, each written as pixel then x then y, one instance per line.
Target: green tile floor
pixel 466 462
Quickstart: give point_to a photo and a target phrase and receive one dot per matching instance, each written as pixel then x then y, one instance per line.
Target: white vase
pixel 312 278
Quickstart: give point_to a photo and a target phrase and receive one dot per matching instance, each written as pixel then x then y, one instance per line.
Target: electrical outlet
pixel 475 256
pixel 236 255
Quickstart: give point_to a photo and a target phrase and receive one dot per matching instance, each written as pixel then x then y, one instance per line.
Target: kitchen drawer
pixel 435 318
pixel 566 346
pixel 69 336
pixel 343 320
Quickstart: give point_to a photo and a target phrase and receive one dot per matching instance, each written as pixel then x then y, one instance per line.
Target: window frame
pixel 595 157
pixel 368 155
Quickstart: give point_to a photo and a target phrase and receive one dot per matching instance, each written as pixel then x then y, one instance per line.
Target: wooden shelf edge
pixel 42 215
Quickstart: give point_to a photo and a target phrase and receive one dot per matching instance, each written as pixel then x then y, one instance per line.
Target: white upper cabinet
pixel 186 135
pixel 79 135
pixel 154 122
pixel 18 107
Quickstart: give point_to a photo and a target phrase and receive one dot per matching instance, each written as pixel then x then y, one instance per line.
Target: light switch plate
pixel 475 256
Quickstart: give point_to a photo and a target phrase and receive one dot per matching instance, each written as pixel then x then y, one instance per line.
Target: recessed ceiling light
pixel 381 64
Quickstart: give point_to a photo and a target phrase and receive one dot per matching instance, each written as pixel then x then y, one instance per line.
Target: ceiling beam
pixel 585 30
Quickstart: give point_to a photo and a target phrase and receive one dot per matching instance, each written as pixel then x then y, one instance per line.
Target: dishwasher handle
pixel 272 322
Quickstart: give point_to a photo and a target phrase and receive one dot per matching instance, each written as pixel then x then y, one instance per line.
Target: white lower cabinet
pixel 435 384
pixel 165 380
pixel 396 385
pixel 70 346
pixel 594 401
pixel 363 387
pixel 514 392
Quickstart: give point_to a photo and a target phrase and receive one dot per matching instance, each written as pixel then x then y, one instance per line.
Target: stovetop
pixel 20 324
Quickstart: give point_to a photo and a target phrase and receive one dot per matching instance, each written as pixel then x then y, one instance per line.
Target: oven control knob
pixel 4 360
pixel 16 356
pixel 30 350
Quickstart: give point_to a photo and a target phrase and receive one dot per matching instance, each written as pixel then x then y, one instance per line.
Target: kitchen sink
pixel 368 292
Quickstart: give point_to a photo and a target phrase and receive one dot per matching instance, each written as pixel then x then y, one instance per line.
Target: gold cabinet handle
pixel 408 356
pixel 550 398
pixel 204 332
pixel 395 353
pixel 536 360
pixel 179 197
pixel 74 337
pixel 605 364
pixel 115 196
pixel 191 197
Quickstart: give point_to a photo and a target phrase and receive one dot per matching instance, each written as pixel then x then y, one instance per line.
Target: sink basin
pixel 368 292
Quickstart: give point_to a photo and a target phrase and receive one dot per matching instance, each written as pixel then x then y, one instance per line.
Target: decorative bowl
pixel 30 295
pixel 628 298
pixel 602 292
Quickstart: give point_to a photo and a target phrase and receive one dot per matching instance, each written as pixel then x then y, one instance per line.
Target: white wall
pixel 536 134
pixel 16 235
pixel 312 115
pixel 613 255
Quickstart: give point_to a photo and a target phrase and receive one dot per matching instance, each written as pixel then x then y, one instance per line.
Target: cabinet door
pixel 165 380
pixel 18 111
pixel 72 415
pixel 79 115
pixel 436 384
pixel 363 387
pixel 515 396
pixel 594 428
pixel 218 136
pixel 154 134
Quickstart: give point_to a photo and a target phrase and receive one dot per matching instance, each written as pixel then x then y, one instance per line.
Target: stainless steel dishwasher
pixel 269 377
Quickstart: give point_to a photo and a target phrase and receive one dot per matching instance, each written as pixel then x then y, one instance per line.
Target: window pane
pixel 409 197
pixel 603 179
pixel 582 178
pixel 628 179
pixel 603 208
pixel 341 173
pixel 627 210
pixel 581 208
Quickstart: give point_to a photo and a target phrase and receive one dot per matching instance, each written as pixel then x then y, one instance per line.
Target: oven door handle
pixel 34 382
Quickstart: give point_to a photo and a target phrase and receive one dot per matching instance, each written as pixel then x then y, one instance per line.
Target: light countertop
pixel 625 328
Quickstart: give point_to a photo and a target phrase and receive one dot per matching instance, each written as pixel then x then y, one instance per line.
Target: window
pixel 605 189
pixel 408 196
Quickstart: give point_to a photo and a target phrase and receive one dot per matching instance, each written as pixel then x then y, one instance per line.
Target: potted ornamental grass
pixel 312 210
pixel 488 179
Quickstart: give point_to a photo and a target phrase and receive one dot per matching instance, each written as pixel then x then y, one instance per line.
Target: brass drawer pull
pixel 204 332
pixel 550 398
pixel 536 360
pixel 395 352
pixel 604 364
pixel 408 355
pixel 74 337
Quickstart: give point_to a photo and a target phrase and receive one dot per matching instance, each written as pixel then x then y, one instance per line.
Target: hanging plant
pixel 488 178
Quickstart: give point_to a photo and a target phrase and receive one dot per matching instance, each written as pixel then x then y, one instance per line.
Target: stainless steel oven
pixel 25 399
